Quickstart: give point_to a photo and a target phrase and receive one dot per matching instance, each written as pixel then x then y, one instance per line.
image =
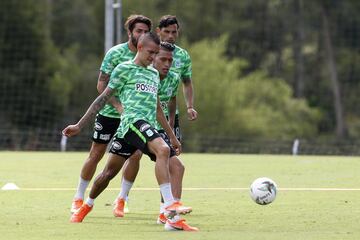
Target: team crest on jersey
pixel 169 92
pixel 144 127
pixel 178 63
pixel 143 87
pixel 98 126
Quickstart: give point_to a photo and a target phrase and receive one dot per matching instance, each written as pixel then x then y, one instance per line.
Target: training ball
pixel 263 191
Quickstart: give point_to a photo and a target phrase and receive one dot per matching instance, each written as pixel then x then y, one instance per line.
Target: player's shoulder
pixel 173 75
pixel 153 70
pixel 180 51
pixel 119 49
pixel 124 66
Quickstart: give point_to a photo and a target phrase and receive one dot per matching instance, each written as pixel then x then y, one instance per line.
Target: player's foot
pixel 126 207
pixel 179 224
pixel 161 219
pixel 119 207
pixel 80 214
pixel 176 208
pixel 181 209
pixel 76 204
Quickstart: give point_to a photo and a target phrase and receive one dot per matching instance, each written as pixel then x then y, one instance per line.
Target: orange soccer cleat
pixel 80 214
pixel 161 219
pixel 177 208
pixel 119 207
pixel 181 209
pixel 179 224
pixel 76 204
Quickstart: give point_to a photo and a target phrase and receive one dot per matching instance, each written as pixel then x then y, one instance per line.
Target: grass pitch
pixel 318 198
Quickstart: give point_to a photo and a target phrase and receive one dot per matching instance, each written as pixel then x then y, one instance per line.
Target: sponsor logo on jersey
pixel 98 126
pixel 144 127
pixel 143 87
pixel 116 145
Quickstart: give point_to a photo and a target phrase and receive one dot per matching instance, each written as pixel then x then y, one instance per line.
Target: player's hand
pixel 176 145
pixel 192 114
pixel 71 130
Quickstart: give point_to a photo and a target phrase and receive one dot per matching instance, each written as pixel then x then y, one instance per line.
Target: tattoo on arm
pixel 95 107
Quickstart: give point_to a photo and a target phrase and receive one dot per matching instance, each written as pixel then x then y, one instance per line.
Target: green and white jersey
pixel 181 64
pixel 116 55
pixel 168 89
pixel 137 88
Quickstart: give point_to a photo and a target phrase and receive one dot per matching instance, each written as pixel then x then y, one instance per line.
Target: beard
pixel 133 40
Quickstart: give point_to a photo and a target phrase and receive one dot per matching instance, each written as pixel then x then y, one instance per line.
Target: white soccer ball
pixel 263 191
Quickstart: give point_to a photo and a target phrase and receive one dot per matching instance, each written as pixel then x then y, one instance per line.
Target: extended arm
pixel 188 91
pixel 163 122
pixel 94 108
pixel 102 83
pixel 172 111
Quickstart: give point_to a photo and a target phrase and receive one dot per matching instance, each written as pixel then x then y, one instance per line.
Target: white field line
pixel 198 189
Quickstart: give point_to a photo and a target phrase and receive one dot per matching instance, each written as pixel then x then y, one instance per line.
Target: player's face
pixel 139 29
pixel 163 61
pixel 169 34
pixel 147 52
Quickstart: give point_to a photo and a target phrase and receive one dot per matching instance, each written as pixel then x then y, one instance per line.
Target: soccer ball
pixel 263 191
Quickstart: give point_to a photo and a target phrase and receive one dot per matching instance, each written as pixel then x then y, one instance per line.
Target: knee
pixel 163 151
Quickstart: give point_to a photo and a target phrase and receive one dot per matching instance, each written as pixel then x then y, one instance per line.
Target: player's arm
pixel 94 108
pixel 160 116
pixel 103 81
pixel 172 111
pixel 188 91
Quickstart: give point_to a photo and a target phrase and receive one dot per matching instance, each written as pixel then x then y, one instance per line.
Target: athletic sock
pixel 90 201
pixel 125 189
pixel 165 190
pixel 83 184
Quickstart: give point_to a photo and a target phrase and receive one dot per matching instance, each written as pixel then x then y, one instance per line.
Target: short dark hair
pixel 149 36
pixel 167 20
pixel 133 19
pixel 167 46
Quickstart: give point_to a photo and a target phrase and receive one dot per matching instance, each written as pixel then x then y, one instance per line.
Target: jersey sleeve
pixel 187 68
pixel 109 62
pixel 117 78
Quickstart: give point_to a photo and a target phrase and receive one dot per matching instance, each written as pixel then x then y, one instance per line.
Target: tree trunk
pixel 339 113
pixel 298 41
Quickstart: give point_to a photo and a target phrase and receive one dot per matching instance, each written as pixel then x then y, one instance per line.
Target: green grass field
pixel 47 181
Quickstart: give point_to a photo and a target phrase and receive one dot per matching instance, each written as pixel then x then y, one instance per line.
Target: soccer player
pixel 168 31
pixel 108 119
pixel 137 85
pixel 169 82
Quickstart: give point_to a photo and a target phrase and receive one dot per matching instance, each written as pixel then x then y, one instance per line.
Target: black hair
pixel 168 20
pixel 167 46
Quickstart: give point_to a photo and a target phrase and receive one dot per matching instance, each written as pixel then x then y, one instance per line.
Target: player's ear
pixel 157 30
pixel 128 33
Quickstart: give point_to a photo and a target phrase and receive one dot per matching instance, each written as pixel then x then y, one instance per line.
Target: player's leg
pixel 131 169
pixel 112 167
pixel 149 141
pixel 104 129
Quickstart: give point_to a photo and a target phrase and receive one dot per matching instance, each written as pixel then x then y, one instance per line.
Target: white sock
pixel 125 189
pixel 165 190
pixel 90 201
pixel 83 184
pixel 162 208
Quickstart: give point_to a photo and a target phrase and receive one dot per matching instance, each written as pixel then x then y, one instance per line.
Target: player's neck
pixel 131 46
pixel 138 62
